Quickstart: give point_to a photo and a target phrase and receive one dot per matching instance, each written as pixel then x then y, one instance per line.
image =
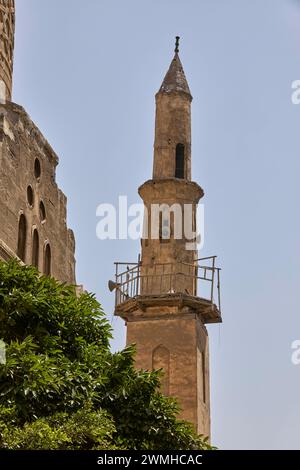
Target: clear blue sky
pixel 87 71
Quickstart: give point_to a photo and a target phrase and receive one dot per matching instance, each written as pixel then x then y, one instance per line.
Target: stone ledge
pixel 174 188
pixel 5 252
pixel 147 307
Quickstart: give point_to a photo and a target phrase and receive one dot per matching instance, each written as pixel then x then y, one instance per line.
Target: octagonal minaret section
pixel 7 34
pixel 173 125
pixel 171 186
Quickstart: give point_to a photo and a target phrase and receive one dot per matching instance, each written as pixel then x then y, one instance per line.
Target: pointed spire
pixel 177 45
pixel 175 80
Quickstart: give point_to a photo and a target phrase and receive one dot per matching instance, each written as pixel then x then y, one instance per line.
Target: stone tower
pixel 162 298
pixel 33 224
pixel 7 30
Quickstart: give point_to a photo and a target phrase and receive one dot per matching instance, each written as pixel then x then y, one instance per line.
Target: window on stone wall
pixel 42 212
pixel 203 376
pixel 161 360
pixel 180 161
pixel 164 227
pixel 22 235
pixel 37 168
pixel 47 260
pixel 30 196
pixel 35 248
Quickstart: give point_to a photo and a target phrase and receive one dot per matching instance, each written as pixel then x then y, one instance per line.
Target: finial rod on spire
pixel 177 44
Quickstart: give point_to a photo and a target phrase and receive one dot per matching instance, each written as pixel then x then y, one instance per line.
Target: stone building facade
pixel 161 297
pixel 32 208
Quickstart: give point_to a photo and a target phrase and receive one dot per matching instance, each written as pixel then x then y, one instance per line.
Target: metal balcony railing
pixel 201 279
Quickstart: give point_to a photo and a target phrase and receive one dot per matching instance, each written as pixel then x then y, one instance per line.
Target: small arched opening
pixel 180 162
pixel 47 260
pixel 161 360
pixel 42 212
pixel 30 196
pixel 35 249
pixel 22 235
pixel 37 168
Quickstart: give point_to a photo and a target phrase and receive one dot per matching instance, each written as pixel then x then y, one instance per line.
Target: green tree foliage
pixel 62 388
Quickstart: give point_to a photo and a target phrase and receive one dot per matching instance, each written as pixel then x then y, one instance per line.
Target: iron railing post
pixel 212 280
pixel 219 293
pixel 138 276
pixel 116 277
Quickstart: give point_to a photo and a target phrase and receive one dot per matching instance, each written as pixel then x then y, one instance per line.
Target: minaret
pixel 162 298
pixel 7 32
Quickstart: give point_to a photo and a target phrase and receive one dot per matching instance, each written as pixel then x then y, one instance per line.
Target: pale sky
pixel 87 72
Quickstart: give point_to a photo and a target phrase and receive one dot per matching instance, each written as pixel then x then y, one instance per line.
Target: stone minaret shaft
pixel 165 317
pixel 7 32
pixel 173 123
pixel 171 184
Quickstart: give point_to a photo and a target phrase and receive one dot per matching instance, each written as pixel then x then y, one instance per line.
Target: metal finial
pixel 177 44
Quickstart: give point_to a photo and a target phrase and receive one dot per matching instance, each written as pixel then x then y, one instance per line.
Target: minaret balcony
pixel 171 287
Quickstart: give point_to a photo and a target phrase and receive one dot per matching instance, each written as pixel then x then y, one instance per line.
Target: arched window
pixel 203 377
pixel 47 260
pixel 42 212
pixel 22 235
pixel 35 248
pixel 161 360
pixel 165 227
pixel 37 168
pixel 180 161
pixel 30 196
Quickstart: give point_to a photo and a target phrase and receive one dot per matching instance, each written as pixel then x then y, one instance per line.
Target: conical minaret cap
pixel 175 79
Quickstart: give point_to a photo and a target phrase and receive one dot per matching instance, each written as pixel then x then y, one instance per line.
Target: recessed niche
pixel 42 212
pixel 37 168
pixel 30 196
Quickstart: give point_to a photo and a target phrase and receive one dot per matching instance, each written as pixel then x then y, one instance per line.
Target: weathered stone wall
pixel 172 127
pixel 168 255
pixel 28 187
pixel 180 340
